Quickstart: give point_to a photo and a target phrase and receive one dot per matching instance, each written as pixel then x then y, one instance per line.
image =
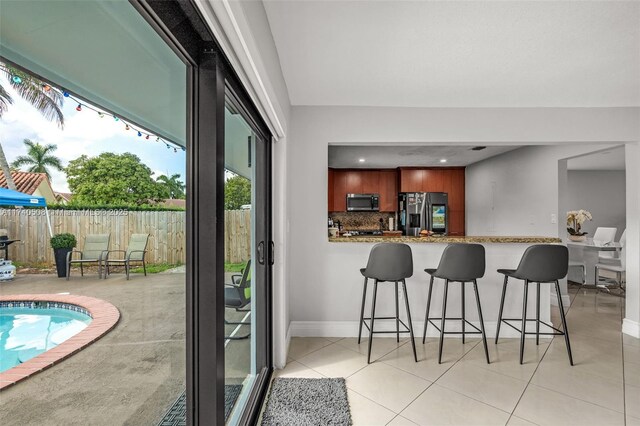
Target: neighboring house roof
pixel 173 202
pixel 63 196
pixel 26 182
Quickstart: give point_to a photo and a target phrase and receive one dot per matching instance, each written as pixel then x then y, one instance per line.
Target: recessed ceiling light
pixel 478 148
pixel 361 160
pixel 443 160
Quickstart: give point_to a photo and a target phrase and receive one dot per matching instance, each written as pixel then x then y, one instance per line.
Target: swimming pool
pixel 28 331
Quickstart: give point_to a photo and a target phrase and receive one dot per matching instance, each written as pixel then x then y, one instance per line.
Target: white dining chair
pixel 604 235
pixel 618 269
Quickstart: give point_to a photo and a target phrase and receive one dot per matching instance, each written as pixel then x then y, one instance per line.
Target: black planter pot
pixel 61 261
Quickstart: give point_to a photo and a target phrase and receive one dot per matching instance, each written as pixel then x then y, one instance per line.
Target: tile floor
pixel 603 388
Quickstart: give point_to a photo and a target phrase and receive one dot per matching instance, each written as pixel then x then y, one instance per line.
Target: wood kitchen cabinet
pixel 362 181
pixel 411 180
pixel 339 195
pixel 388 190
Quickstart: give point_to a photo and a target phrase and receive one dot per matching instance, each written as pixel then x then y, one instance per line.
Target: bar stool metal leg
pixel 463 318
pixel 444 314
pixel 364 299
pixel 524 319
pixel 373 317
pixel 406 301
pixel 564 322
pixel 426 315
pixel 484 335
pixel 397 316
pixel 504 292
pixel 538 314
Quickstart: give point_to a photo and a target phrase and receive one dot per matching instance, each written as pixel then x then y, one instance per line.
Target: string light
pixel 47 88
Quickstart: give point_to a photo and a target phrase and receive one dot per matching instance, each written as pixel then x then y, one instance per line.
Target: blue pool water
pixel 26 333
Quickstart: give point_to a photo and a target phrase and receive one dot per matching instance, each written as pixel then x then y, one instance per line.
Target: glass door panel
pixel 246 259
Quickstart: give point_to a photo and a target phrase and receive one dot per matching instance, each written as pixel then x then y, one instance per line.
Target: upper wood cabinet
pixel 388 190
pixel 356 181
pixel 411 180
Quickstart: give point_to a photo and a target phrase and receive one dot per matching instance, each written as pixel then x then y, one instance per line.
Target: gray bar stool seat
pixel 461 263
pixel 388 262
pixel 541 263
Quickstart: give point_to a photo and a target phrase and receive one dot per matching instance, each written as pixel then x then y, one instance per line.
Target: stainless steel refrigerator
pixel 420 211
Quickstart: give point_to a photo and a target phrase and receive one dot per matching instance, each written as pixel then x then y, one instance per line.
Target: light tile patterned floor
pixel 603 388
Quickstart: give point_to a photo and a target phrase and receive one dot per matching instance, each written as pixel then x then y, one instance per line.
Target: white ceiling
pixel 344 156
pixel 459 54
pixel 610 159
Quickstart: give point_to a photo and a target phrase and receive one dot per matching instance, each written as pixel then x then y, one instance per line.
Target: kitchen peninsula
pixel 347 255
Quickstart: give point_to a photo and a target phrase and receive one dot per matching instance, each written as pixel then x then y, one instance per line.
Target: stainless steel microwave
pixel 363 202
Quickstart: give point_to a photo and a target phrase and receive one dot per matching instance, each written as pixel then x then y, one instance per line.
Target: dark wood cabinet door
pixel 339 191
pixel 411 180
pixel 330 190
pixel 456 223
pixel 456 196
pixel 354 181
pixel 370 181
pixel 388 191
pixel 433 180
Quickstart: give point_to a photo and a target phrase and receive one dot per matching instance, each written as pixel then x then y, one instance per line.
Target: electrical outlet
pixel 532 220
pixel 554 218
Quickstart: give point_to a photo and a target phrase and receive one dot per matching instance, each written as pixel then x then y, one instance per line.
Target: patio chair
pixel 135 252
pixel 237 295
pixel 95 249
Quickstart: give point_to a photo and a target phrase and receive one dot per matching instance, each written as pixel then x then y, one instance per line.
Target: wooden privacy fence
pixel 166 231
pixel 237 236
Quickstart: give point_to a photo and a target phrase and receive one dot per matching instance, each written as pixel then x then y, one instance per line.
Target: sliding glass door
pixel 247 258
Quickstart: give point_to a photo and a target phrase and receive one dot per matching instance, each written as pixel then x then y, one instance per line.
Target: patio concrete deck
pixel 129 376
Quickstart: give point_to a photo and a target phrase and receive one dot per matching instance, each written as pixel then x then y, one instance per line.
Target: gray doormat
pixel 177 414
pixel 309 402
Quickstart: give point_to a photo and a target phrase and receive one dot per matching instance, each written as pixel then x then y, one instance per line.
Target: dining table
pixel 588 252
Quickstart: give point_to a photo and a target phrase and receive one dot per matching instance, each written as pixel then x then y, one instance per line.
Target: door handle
pixel 261 253
pixel 271 253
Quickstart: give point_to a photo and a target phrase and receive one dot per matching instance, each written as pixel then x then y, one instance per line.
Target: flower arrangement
pixel 575 219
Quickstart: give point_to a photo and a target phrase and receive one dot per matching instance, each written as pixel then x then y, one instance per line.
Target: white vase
pixel 577 238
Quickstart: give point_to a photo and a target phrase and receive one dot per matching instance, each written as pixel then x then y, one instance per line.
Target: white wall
pixel 517 192
pixel 602 192
pixel 313 128
pixel 631 322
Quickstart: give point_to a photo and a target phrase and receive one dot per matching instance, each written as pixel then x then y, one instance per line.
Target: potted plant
pixel 575 219
pixel 62 244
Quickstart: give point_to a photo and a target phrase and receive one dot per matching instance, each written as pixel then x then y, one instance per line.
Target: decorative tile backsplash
pixel 355 221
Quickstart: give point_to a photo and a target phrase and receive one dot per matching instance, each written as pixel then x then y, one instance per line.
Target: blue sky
pixel 84 133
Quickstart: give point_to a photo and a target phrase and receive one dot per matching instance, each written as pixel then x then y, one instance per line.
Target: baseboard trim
pixel 631 328
pixel 350 329
pixel 566 300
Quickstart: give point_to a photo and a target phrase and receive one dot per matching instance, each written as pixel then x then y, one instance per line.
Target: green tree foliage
pixel 47 100
pixel 237 192
pixel 112 179
pixel 38 158
pixel 172 187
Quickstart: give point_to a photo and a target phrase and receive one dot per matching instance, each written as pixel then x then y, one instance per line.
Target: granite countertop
pixel 446 240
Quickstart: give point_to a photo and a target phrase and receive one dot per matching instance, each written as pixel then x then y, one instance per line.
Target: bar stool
pixel 542 263
pixel 461 263
pixel 388 262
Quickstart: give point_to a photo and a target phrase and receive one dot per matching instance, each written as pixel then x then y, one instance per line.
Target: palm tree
pixel 38 158
pixel 42 96
pixel 173 185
